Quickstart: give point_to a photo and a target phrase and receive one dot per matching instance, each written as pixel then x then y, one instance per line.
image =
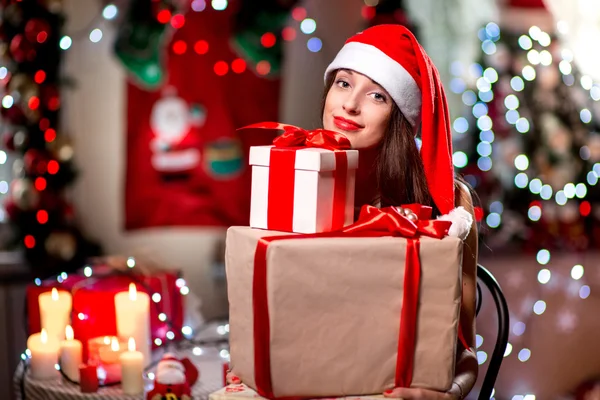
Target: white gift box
pixel 315 181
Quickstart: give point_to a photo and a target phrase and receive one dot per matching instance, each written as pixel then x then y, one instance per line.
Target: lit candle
pixel 133 319
pixel 44 355
pixel 132 368
pixel 110 354
pixel 55 312
pixel 70 355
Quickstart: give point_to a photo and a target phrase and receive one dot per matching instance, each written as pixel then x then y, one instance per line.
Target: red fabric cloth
pixel 215 192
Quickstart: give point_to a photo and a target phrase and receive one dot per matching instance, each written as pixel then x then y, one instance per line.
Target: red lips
pixel 346 124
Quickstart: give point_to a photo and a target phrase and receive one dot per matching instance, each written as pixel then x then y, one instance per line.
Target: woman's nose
pixel 351 105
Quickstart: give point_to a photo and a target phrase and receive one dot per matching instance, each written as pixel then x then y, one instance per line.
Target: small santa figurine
pixel 174 379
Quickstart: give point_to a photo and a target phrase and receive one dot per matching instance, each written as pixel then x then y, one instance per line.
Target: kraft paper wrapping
pixel 334 309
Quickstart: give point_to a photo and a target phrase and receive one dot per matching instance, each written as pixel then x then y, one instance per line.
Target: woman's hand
pixel 230 378
pixel 418 394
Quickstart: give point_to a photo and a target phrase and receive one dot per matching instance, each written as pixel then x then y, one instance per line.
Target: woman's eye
pixel 379 97
pixel 342 83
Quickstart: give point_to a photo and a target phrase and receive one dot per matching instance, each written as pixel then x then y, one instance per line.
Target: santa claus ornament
pixel 172 121
pixel 174 379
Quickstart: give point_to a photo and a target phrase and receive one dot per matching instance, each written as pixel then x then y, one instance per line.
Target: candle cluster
pixel 55 347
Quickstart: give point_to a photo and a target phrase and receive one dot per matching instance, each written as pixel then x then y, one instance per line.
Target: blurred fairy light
pixel 511 102
pixel 545 58
pixel 517 84
pixel 561 198
pixel 110 12
pixel 525 42
pixel 486 136
pixel 595 93
pixel 535 186
pixel 546 192
pixel 524 355
pixel 198 5
pixel 484 123
pixel 481 357
pixel 518 328
pixel 592 178
pixel 479 110
pixel 543 257
pixel 493 220
pixel 529 397
pixel 544 39
pixel 521 180
pixel 544 276
pixel 584 292
pixel 65 42
pixel 534 32
pixel 95 35
pixel 568 80
pixel 512 116
pixel 314 44
pixel 562 27
pixel 539 307
pixel 521 162
pixel 219 5
pixel 533 56
pixel 469 98
pixel 3 72
pixel 522 125
pixel 569 190
pixel 580 190
pixel 497 207
pixel 586 116
pixel 478 341
pixel 308 26
pixel 484 163
pixel 461 125
pixel 534 213
pixel 460 159
pixel 484 149
pixel 586 82
pixel 486 96
pixel 508 350
pixel 483 85
pixel 491 75
pixel 577 272
pixel 457 85
pixel 528 73
pixel 488 47
pixel 567 55
pixel 7 101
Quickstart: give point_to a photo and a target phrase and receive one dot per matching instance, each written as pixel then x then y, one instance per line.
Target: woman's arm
pixel 467 366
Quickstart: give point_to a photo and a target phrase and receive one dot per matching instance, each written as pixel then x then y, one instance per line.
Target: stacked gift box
pixel 324 307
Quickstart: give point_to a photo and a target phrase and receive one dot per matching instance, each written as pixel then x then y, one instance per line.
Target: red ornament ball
pixel 37 30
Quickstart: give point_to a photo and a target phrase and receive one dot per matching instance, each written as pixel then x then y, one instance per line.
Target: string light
pixel 110 12
pixel 95 35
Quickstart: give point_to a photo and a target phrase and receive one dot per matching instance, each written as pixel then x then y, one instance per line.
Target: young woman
pixel 380 90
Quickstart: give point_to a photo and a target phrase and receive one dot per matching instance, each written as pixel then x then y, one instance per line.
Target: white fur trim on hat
pixel 462 221
pixel 391 75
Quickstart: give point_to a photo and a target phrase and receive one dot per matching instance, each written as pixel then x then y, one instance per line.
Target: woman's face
pixel 357 107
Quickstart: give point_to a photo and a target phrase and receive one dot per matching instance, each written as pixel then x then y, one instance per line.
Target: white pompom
pixel 462 221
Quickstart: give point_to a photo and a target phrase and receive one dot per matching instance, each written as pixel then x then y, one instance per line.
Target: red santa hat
pixel 392 57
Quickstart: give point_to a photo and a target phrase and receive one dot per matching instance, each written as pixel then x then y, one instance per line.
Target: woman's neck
pixel 366 177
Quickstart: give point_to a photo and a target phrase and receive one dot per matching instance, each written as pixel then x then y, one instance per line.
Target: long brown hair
pixel 399 169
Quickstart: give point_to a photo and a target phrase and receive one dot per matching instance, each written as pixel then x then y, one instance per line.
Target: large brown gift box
pixel 334 311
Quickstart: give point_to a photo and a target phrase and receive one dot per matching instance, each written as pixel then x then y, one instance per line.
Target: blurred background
pixel 118 135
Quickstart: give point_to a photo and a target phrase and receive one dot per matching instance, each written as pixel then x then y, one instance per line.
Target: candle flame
pixel 132 292
pixel 114 345
pixel 69 333
pixel 44 336
pixel 54 294
pixel 131 344
pixel 106 340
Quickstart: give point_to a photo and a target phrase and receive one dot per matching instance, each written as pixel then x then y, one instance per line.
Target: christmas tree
pixel 527 142
pixel 38 156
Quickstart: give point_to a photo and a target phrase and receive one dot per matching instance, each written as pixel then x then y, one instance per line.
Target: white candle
pixel 133 319
pixel 44 355
pixel 55 312
pixel 132 368
pixel 70 355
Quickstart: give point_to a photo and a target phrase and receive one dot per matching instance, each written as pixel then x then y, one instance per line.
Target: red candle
pixel 88 378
